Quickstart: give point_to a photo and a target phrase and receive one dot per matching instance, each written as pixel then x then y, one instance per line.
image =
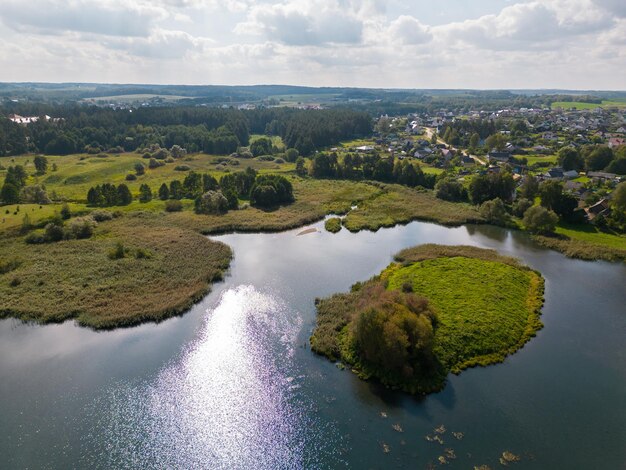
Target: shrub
pixel 449 189
pixel 65 212
pixel 173 205
pixel 131 177
pixel 211 202
pixel 35 238
pixel 154 163
pixel 81 228
pixel 16 281
pixel 118 252
pixel 280 161
pixel 333 225
pixel 269 190
pixel 53 233
pixel 101 215
pixel 182 168
pixel 520 206
pixel 142 254
pixel 140 169
pixel 34 194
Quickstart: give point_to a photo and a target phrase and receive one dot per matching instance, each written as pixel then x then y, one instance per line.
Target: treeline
pixel 75 128
pixel 370 167
pixel 210 195
pixel 594 158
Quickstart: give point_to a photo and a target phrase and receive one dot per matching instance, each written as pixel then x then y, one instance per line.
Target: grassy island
pixel 436 309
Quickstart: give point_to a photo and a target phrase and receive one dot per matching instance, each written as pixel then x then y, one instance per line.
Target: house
pixel 599 208
pixel 499 156
pixel 467 161
pixel 554 173
pixel 616 142
pixel 601 175
pixel 571 174
pixel 573 186
pixel 447 154
pixel 365 148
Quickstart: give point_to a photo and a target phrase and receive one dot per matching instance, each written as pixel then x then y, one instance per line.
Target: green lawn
pixel 552 159
pixel 590 234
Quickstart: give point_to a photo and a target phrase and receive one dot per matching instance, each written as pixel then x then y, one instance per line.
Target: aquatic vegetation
pixel 397 427
pixel 333 225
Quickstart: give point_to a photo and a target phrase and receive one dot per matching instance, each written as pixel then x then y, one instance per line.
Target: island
pixel 435 310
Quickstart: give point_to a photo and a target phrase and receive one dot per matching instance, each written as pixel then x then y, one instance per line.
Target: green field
pixel 581 105
pixel 487 306
pixel 552 159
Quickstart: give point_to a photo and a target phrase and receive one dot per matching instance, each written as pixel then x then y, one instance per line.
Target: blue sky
pixel 578 44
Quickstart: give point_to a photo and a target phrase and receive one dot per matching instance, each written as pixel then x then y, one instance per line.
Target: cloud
pixel 302 23
pixel 107 17
pixel 161 44
pixel 408 30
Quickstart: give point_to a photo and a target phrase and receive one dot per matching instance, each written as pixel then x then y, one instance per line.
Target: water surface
pixel 232 384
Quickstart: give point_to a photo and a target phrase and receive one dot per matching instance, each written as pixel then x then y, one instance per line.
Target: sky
pixel 484 44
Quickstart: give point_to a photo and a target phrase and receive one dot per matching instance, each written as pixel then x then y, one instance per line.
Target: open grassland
pixel 163 271
pixel 582 106
pixel 487 306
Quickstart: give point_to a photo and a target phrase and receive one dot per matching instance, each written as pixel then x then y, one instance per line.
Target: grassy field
pixel 582 106
pixel 541 159
pixel 487 307
pixel 77 173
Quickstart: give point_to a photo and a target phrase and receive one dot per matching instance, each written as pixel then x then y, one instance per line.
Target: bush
pixel 118 252
pixel 65 212
pixel 140 169
pixel 173 205
pixel 154 163
pixel 35 238
pixel 280 161
pixel 131 177
pixel 81 228
pixel 34 194
pixel 211 202
pixel 101 215
pixel 333 225
pixel 182 168
pixel 538 219
pixel 450 190
pixel 270 190
pixel 53 233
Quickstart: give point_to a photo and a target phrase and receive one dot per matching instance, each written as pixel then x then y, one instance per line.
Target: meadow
pixel 581 105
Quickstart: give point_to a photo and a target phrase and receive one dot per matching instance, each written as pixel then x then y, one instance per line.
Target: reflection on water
pixel 227 402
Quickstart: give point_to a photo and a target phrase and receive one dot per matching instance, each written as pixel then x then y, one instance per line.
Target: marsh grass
pixel 76 279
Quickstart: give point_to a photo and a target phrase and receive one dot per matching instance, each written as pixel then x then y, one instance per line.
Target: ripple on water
pixel 229 401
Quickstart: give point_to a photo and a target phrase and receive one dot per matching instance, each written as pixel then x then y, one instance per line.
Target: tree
pixel 300 167
pixel 491 186
pixel 496 142
pixel 619 197
pixel 598 158
pixel 521 205
pixel 433 139
pixel 10 194
pixel 145 193
pixel 177 151
pixel 124 197
pixel 550 192
pixel 529 188
pixel 262 146
pixel 164 192
pixel 270 190
pixel 140 169
pixel 65 212
pixel 538 219
pixel 494 212
pixel 569 158
pixel 34 194
pixel 450 189
pixel 474 141
pixel 176 190
pixel 41 164
pixel 291 155
pixel 53 232
pixel 211 202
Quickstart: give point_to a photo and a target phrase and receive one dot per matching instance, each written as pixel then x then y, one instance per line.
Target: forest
pixel 74 128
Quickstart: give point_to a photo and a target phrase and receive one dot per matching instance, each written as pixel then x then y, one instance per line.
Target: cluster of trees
pixel 594 158
pixel 79 128
pixel 107 195
pixel 57 229
pixel 14 182
pixel 213 197
pixel 394 333
pixel 370 167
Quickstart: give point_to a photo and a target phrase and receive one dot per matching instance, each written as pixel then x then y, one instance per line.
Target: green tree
pixel 164 192
pixel 598 158
pixel 494 212
pixel 10 194
pixel 529 188
pixel 300 167
pixel 140 169
pixel 496 142
pixel 145 193
pixel 291 155
pixel 65 211
pixel 474 141
pixel 176 190
pixel 538 219
pixel 450 189
pixel 570 159
pixel 124 197
pixel 211 202
pixel 262 146
pixel 41 164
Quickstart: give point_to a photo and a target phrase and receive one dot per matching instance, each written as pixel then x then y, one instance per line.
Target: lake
pixel 233 383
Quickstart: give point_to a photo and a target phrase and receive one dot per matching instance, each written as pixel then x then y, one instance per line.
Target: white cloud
pixel 409 30
pixel 302 23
